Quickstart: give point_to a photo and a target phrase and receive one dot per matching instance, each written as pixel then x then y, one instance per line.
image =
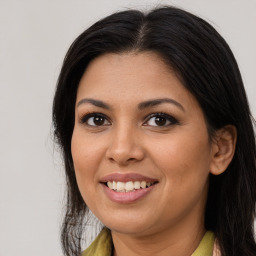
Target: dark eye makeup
pixel 95 119
pixel 160 120
pixel 155 120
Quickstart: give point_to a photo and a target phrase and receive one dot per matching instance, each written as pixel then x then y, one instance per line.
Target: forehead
pixel 131 77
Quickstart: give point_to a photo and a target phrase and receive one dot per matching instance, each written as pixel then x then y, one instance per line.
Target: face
pixel 140 145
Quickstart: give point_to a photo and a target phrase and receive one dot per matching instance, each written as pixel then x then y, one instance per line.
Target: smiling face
pixel 140 146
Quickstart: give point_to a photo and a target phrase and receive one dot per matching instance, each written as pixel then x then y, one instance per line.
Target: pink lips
pixel 125 177
pixel 126 197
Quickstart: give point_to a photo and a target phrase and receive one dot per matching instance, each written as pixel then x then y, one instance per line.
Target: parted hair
pixel 204 63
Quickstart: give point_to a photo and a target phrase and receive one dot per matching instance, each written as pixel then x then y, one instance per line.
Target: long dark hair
pixel 205 64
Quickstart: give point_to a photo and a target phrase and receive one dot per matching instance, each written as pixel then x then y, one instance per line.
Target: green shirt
pixel 102 245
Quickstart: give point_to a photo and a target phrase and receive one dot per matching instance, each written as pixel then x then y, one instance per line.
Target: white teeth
pixel 128 186
pixel 143 184
pixel 120 186
pixel 114 185
pixel 136 185
pixel 110 184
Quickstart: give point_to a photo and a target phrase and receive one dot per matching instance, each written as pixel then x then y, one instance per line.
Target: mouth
pixel 129 186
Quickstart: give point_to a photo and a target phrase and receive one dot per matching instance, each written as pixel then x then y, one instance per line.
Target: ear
pixel 223 149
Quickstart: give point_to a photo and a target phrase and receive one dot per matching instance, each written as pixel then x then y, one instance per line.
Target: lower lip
pixel 126 197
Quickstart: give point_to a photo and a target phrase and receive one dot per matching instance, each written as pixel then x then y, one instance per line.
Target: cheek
pixel 86 154
pixel 183 160
pixel 184 164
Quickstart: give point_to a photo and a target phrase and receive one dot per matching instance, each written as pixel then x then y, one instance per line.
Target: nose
pixel 125 147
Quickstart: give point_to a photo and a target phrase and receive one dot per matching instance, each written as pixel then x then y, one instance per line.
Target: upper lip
pixel 125 177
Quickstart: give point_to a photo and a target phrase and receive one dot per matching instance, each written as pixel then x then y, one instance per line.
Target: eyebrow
pixel 155 102
pixel 97 103
pixel 141 106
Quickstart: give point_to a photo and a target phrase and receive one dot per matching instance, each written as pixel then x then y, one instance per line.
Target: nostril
pixel 131 159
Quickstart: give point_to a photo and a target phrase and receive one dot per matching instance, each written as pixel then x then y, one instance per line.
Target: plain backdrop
pixel 34 37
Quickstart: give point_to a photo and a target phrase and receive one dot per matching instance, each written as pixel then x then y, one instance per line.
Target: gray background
pixel 35 36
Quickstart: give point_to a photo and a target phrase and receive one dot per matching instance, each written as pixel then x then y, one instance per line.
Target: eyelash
pixel 169 118
pixel 84 119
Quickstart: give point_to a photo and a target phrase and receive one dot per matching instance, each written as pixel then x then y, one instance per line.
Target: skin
pixel 170 219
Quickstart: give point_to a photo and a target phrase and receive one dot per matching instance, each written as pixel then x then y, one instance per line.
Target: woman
pixel 157 138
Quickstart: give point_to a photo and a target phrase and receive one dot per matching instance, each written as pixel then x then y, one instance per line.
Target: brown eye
pixel 95 120
pixel 98 120
pixel 160 119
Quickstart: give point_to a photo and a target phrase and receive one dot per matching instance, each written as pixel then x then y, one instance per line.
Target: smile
pixel 129 186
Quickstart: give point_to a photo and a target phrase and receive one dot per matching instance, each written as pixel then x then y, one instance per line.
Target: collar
pixel 102 245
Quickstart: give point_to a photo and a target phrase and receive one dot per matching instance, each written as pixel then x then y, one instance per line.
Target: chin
pixel 132 225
